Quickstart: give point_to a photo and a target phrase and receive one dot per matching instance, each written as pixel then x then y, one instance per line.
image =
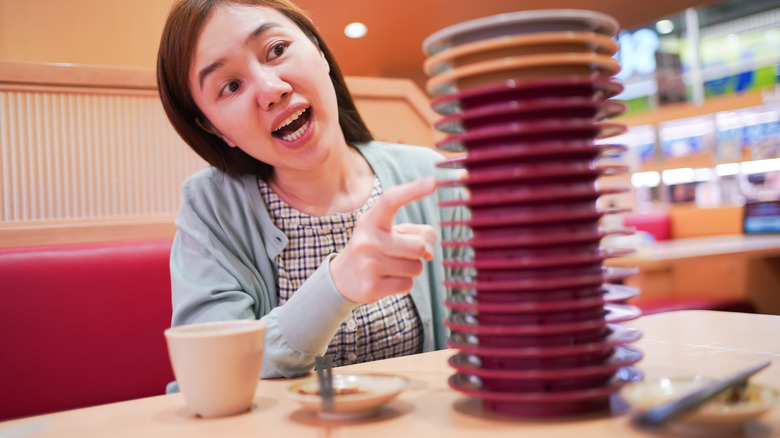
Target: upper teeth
pixel 290 119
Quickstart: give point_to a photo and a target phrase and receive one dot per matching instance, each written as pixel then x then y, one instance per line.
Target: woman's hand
pixel 381 259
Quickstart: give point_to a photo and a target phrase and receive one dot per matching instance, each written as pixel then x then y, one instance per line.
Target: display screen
pixel 761 217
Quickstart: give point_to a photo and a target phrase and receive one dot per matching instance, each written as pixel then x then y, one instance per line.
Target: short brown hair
pixel 174 58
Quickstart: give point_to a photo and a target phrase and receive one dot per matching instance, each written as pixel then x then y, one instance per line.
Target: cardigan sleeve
pixel 219 271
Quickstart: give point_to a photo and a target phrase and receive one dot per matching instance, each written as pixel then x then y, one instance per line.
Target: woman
pixel 302 220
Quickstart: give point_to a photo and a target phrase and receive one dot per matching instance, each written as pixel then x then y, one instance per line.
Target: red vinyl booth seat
pixel 83 324
pixel 658 224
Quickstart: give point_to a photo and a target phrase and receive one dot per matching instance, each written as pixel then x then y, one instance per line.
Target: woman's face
pixel 264 87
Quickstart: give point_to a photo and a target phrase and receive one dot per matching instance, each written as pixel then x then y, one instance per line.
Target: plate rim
pixel 609 23
pixel 600 41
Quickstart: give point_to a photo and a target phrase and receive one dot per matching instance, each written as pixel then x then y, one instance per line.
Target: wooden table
pixel 744 267
pixel 711 343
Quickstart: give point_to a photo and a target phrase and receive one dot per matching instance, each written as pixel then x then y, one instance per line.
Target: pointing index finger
pixel 396 197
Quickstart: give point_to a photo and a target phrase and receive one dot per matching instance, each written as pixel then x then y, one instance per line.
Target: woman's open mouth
pixel 295 126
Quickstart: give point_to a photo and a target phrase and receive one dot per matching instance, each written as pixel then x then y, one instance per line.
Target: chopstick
pixel 325 379
pixel 660 414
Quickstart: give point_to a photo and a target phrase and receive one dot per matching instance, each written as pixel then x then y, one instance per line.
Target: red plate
pixel 514 111
pixel 592 88
pixel 535 131
pixel 496 260
pixel 617 334
pixel 561 171
pixel 561 295
pixel 544 340
pixel 534 318
pixel 571 150
pixel 517 283
pixel 544 404
pixel 614 313
pixel 537 296
pixel 521 218
pixel 549 368
pixel 501 367
pixel 518 215
pixel 612 293
pixel 532 192
pixel 540 235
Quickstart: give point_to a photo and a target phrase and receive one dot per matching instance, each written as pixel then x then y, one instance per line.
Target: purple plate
pixel 531 132
pixel 544 403
pixel 602 364
pixel 607 293
pixel 521 218
pixel 515 111
pixel 504 261
pixel 533 191
pixel 556 277
pixel 537 296
pixel 618 334
pixel 529 211
pixel 562 87
pixel 612 313
pixel 540 235
pixel 515 282
pixel 492 319
pixel 542 340
pixel 562 151
pixel 560 171
pixel 515 296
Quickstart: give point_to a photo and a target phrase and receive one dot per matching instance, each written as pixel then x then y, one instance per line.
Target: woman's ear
pixel 211 129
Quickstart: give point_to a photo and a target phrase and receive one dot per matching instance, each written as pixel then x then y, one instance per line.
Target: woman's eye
pixel 277 50
pixel 231 87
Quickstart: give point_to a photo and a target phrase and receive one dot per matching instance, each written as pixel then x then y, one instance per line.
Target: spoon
pixel 660 414
pixel 325 378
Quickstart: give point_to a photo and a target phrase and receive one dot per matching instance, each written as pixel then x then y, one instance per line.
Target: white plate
pixel 755 401
pixel 520 22
pixel 356 395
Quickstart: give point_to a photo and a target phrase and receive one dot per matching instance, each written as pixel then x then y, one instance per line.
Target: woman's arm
pixel 220 269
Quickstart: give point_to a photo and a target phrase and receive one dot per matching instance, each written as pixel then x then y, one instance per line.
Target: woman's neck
pixel 341 186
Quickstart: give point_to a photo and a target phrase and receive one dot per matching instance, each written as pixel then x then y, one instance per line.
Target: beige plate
pixel 371 391
pixel 755 401
pixel 516 45
pixel 521 68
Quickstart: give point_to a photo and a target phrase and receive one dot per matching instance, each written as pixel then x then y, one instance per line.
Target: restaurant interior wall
pixel 716 150
pixel 94 32
pixel 91 32
pixel 87 154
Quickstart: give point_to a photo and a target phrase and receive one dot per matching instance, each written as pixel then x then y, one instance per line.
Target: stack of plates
pixel 535 316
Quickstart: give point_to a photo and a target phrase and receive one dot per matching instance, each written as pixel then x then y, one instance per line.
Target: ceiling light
pixel 355 30
pixel 664 26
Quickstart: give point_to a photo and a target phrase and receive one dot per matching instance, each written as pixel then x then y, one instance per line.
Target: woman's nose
pixel 271 88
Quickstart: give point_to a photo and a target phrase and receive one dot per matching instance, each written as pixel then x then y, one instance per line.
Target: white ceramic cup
pixel 217 364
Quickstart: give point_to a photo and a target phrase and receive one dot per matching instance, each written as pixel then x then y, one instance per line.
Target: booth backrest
pixel 656 223
pixel 82 324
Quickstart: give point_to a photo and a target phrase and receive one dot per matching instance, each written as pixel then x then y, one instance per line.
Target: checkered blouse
pixel 389 327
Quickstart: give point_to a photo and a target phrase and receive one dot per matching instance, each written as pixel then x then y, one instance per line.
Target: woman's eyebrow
pixel 260 29
pixel 218 63
pixel 208 70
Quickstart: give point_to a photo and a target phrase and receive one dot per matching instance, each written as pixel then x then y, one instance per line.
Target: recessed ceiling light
pixel 664 27
pixel 355 30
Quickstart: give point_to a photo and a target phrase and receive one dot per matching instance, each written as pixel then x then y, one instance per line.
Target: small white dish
pixel 357 396
pixel 720 412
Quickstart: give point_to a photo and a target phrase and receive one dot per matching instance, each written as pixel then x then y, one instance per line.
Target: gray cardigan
pixel 222 262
